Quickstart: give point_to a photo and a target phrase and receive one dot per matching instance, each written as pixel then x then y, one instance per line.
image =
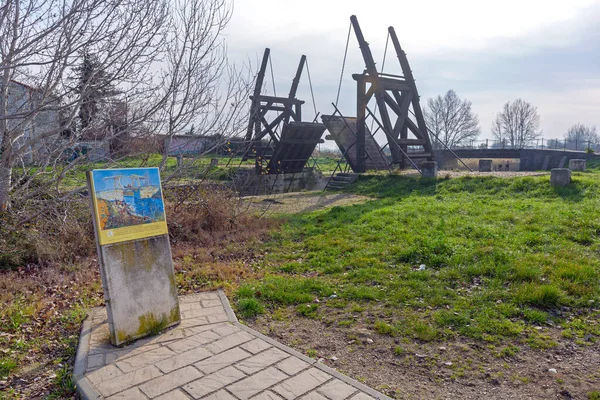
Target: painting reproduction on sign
pixel 128 204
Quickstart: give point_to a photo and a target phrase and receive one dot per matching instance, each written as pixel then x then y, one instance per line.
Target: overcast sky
pixel 490 52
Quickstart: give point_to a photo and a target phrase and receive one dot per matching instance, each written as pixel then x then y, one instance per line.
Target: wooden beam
pixel 257 89
pixel 278 100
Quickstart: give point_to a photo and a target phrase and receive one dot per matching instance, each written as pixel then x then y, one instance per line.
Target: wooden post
pixel 361 109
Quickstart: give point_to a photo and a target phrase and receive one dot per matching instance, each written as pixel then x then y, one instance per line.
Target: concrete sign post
pixel 133 252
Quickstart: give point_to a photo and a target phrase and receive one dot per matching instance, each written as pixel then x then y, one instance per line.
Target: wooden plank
pixel 278 100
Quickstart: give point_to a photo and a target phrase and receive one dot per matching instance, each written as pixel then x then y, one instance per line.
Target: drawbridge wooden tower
pixel 289 141
pixel 397 114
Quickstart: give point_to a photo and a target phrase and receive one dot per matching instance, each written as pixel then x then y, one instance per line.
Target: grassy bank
pixel 480 258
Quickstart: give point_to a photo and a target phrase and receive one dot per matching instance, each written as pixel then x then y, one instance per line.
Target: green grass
pixel 501 256
pixel 249 307
pixel 196 168
pixel 6 366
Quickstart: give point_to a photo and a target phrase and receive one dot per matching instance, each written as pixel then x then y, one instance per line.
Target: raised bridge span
pixel 530 159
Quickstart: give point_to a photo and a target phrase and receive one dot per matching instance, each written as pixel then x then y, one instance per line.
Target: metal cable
pixel 312 94
pixel 382 68
pixel 337 98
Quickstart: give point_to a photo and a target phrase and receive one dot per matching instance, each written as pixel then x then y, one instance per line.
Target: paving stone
pixel 313 396
pixel 225 329
pixel 256 383
pixel 103 374
pixel 261 360
pixel 212 303
pixel 302 383
pixel 336 390
pixel 95 361
pixel 205 358
pixel 174 334
pixel 215 319
pixel 186 323
pixel 131 394
pixel 111 358
pixel 133 351
pixel 147 358
pixel 221 360
pixel 193 341
pixel 166 383
pixel 228 342
pixel 362 396
pixel 125 381
pixel 183 359
pixel 220 395
pixel 292 365
pixel 199 297
pixel 101 348
pixel 213 382
pixel 202 312
pixel 266 395
pixel 174 395
pixel 190 306
pixel 255 346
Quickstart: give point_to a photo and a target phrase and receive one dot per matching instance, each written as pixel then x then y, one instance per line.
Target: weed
pixel 508 351
pixel 312 353
pixel 383 327
pixel 64 384
pixel 308 310
pixel 594 395
pixel 249 307
pixel 6 366
pixel 543 296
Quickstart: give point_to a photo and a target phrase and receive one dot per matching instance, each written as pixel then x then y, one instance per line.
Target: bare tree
pixel 206 94
pixel 579 135
pixel 452 119
pixel 518 124
pixel 163 66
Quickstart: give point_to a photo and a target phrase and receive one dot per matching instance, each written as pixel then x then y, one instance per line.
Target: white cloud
pixel 490 52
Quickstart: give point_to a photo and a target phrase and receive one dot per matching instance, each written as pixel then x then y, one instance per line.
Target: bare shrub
pixel 63 235
pixel 206 214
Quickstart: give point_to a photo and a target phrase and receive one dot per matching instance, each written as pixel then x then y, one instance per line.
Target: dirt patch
pixel 443 370
pixel 291 203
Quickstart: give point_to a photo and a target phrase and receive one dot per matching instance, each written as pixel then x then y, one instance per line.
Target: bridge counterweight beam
pixel 361 107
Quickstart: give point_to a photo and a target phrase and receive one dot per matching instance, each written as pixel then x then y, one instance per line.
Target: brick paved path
pixel 208 356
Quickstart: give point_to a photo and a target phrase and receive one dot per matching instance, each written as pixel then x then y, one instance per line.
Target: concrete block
pixel 429 169
pixel 301 384
pixel 229 341
pixel 256 383
pixel 222 360
pixel 485 165
pixel 140 286
pixel 255 346
pixel 336 390
pixel 292 365
pixel 261 361
pixel 213 382
pixel 123 382
pixel 577 164
pixel 166 383
pixel 560 177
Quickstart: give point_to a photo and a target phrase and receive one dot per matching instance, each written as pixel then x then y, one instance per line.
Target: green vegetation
pixel 194 168
pixel 249 307
pixel 502 257
pixel 595 395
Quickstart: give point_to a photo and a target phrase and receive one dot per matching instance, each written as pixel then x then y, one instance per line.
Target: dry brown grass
pixel 49 276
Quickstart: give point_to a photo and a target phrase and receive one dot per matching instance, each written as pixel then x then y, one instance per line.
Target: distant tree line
pixel 453 124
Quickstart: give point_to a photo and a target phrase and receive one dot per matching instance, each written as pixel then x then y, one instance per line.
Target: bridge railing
pixel 541 143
